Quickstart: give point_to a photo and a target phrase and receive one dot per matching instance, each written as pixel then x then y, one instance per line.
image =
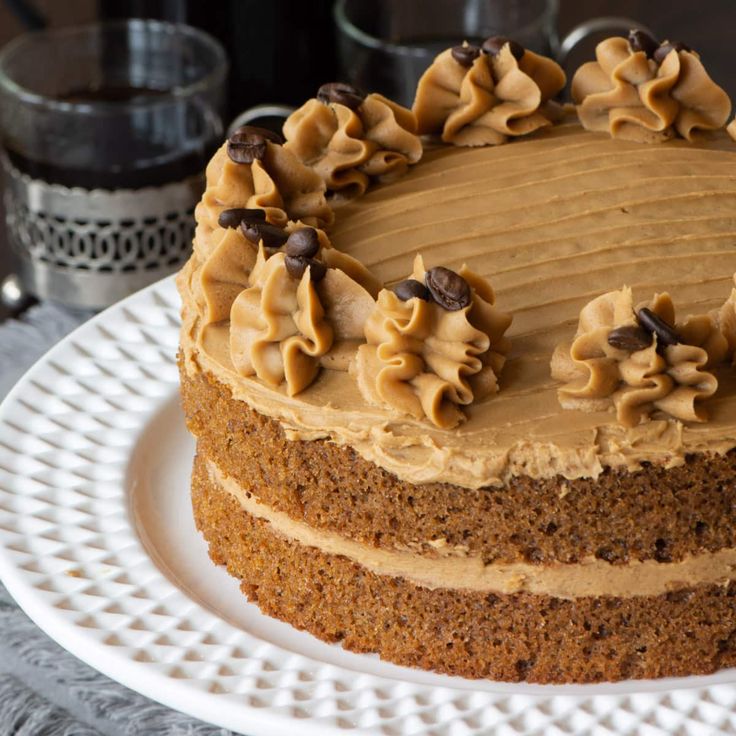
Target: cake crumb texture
pixel 503 637
pixel 656 513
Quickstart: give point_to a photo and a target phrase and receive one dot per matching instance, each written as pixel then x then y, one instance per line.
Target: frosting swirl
pixel 426 361
pixel 224 274
pixel 277 327
pixel 278 183
pixel 655 376
pixel 345 294
pixel 496 97
pixel 350 147
pixel 631 96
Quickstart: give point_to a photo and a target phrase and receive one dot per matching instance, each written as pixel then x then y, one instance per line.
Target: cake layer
pixel 523 636
pixel 552 221
pixel 654 514
pixel 462 571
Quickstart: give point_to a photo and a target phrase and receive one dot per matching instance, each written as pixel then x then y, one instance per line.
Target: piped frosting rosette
pixel 435 343
pixel 278 330
pixel 226 269
pixel 641 91
pixel 350 139
pixel 482 96
pixel 294 303
pixel 253 171
pixel 638 360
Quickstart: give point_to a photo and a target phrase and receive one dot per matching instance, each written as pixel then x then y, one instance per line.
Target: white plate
pixel 98 546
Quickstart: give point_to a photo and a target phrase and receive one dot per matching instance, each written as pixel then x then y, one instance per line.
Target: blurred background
pixel 280 51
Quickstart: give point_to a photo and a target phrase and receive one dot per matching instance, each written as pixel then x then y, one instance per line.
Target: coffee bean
pixel 661 53
pixel 630 338
pixel 297 265
pixel 272 236
pixel 642 41
pixel 411 288
pixel 233 217
pixel 448 289
pixel 465 55
pixel 494 44
pixel 665 333
pixel 342 93
pixel 249 143
pixel 304 243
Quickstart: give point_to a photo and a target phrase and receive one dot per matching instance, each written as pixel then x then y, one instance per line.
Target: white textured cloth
pixel 44 690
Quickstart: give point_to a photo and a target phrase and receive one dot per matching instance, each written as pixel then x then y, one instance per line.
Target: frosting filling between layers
pixel 552 222
pixel 452 568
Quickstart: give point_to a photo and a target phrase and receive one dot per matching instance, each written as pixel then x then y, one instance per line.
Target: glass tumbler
pixel 106 130
pixel 385 45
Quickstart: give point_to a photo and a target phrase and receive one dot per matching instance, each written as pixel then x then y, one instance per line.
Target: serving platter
pixel 98 546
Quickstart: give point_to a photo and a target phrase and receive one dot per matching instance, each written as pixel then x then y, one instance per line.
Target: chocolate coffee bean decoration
pixel 342 93
pixel 233 217
pixel 297 265
pixel 494 44
pixel 448 289
pixel 303 242
pixel 411 288
pixel 665 333
pixel 249 143
pixel 661 53
pixel 465 55
pixel 630 338
pixel 642 41
pixel 272 236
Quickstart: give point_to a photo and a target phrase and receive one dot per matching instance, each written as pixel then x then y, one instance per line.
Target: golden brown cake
pixel 523 482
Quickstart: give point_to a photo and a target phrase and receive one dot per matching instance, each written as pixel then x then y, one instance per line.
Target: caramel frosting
pixel 668 378
pixel 425 361
pixel 255 293
pixel 454 568
pixel 279 184
pixel 630 96
pixel 225 273
pixel 495 98
pixel 350 148
pixel 555 220
pixel 282 328
pixel 277 326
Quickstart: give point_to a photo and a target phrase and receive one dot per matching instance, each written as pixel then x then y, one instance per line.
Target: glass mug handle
pixel 257 112
pixel 562 49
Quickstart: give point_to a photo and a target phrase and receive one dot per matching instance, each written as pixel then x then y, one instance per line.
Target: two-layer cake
pixel 494 460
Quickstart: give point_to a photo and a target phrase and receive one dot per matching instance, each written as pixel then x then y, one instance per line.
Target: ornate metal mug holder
pixel 104 157
pixel 90 248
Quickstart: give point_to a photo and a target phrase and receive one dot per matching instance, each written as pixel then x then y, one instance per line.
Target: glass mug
pixel 385 45
pixel 106 130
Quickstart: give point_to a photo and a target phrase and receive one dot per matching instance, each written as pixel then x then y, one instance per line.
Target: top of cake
pixel 438 368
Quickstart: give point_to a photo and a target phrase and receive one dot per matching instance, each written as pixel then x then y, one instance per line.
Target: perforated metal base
pixel 90 248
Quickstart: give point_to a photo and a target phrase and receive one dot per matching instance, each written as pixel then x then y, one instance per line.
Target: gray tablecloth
pixel 44 690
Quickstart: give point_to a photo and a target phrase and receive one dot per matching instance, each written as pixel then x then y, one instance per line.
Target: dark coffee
pixel 122 160
pixel 173 170
pixel 109 93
